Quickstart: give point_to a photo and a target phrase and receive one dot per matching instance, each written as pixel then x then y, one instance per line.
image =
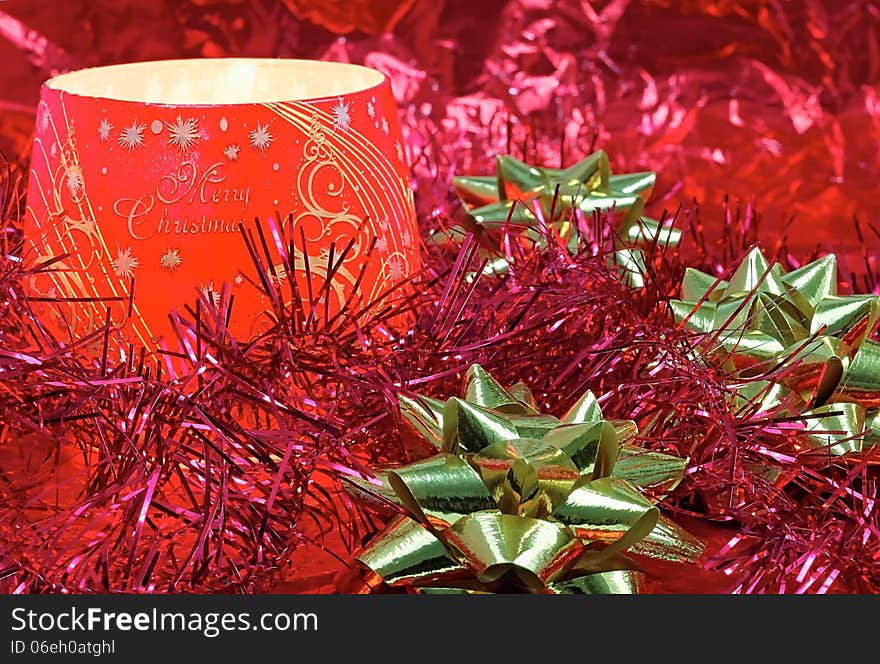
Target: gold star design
pixel 171 260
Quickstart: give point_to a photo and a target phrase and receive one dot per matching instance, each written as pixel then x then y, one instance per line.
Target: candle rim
pixel 372 80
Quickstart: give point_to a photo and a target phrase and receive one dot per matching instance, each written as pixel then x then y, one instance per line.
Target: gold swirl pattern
pixel 383 196
pixel 85 309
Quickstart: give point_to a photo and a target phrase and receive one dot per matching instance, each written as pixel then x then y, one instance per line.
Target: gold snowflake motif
pixel 261 137
pixel 207 291
pixel 171 260
pixel 395 268
pixel 132 136
pixel 342 115
pixel 278 276
pixel 104 130
pixel 73 178
pixel 239 279
pixel 183 134
pixel 231 152
pixel 124 264
pixel 43 122
pixel 279 279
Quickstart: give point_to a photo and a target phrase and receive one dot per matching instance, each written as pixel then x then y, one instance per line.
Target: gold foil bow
pixel 519 500
pixel 541 198
pixel 807 346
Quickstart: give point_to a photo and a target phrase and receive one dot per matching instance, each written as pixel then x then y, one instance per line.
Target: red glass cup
pixel 143 176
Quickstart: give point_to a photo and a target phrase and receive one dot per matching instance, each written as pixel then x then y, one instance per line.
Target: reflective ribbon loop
pixel 763 396
pixel 522 393
pixel 535 426
pixel 408 553
pixel 521 495
pixel 471 428
pixel 608 510
pixel 862 376
pixel 585 409
pixel 669 541
pixel 537 551
pixel 440 490
pixel 649 470
pixel 750 350
pixel 626 430
pixel 533 473
pixel 872 425
pixel 631 266
pixel 591 446
pixel 836 428
pixel 765 322
pixel 425 415
pixel 483 390
pixel 614 582
pixel 851 317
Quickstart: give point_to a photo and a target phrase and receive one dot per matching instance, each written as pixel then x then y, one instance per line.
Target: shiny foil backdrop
pixel 758 115
pixel 770 103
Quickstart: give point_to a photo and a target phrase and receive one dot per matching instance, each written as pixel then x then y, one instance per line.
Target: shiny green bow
pixel 517 191
pixel 765 318
pixel 516 499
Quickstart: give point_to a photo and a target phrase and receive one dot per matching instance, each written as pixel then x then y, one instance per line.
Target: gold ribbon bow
pixel 588 185
pixel 764 319
pixel 519 500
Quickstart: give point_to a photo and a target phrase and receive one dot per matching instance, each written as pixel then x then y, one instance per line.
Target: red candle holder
pixel 142 176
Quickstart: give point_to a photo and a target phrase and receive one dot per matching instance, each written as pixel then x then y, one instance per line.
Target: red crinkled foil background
pixel 773 101
pixel 772 105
